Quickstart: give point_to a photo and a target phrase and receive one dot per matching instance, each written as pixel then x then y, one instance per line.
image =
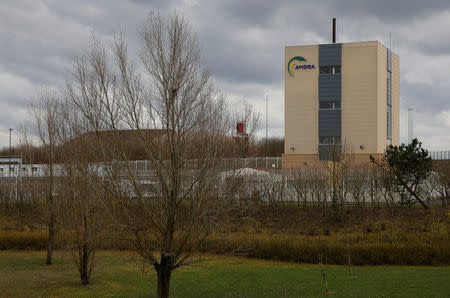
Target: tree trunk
pixel 84 280
pixel 84 257
pixel 163 282
pixel 51 222
pixel 83 274
pixel 84 266
pixel 412 192
pixel 50 240
pixel 164 272
pixel 84 270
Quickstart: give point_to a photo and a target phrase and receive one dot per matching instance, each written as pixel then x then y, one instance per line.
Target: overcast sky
pixel 242 45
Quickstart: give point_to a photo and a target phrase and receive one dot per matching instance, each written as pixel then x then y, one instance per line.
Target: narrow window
pixel 330 69
pixel 330 105
pixel 332 140
pixel 324 70
pixel 389 122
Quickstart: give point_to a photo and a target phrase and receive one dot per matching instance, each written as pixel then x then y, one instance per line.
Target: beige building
pixel 340 97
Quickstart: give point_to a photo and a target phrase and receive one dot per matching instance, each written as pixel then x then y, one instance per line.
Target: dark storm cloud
pixel 221 23
pixel 414 24
pixel 40 38
pixel 154 4
pixel 388 10
pixel 248 65
pixel 249 12
pixel 244 41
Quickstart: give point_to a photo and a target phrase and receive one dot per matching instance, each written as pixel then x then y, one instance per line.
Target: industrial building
pixel 340 95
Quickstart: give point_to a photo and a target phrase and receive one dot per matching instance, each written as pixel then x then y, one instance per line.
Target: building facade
pixel 343 96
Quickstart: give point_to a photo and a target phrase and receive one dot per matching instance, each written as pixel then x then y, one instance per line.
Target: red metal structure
pixel 240 128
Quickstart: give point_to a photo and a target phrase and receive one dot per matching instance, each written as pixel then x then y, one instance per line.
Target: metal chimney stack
pixel 334 30
pixel 410 125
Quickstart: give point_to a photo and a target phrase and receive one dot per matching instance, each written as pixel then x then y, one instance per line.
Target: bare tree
pixel 357 184
pixel 84 223
pixel 251 121
pixel 84 216
pixel 374 186
pixel 339 165
pixel 298 181
pixel 319 184
pixel 387 188
pixel 45 119
pixel 6 192
pixel 174 111
pixel 442 178
pixel 273 188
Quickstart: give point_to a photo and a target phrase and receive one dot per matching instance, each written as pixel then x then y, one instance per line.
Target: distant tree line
pixel 35 153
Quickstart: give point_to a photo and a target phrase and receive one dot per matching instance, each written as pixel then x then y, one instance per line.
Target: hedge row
pixel 381 249
pixel 333 251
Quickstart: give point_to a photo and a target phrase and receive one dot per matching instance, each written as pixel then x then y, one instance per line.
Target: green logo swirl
pixel 298 58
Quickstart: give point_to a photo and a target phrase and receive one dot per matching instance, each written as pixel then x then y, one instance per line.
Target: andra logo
pixel 292 65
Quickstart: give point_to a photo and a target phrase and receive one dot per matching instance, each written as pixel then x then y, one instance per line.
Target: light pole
pixel 342 173
pixel 9 163
pixel 267 121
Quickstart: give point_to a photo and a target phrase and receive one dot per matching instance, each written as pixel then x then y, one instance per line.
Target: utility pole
pixel 390 41
pixel 267 121
pixel 343 181
pixel 9 163
pixel 410 125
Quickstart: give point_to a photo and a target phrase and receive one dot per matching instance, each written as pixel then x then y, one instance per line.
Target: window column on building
pixel 329 101
pixel 389 96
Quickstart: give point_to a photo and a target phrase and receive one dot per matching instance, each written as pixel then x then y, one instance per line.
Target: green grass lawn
pixel 24 274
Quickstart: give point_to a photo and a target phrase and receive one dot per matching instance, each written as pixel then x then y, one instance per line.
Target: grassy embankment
pixel 24 274
pixel 370 236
